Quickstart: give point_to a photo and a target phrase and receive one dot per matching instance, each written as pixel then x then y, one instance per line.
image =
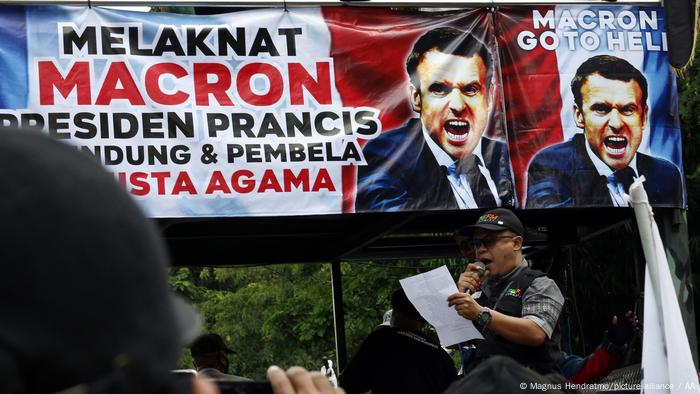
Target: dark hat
pixel 84 285
pixel 209 343
pixel 501 374
pixel 401 303
pixel 495 220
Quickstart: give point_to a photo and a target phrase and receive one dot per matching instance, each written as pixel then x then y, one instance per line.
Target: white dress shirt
pixel 459 182
pixel 616 189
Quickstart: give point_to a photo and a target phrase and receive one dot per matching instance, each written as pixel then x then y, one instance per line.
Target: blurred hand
pixel 469 279
pixel 298 380
pixel 621 330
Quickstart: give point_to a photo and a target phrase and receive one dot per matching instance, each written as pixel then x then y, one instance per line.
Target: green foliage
pixel 689 111
pixel 270 314
pixel 368 288
pixel 283 314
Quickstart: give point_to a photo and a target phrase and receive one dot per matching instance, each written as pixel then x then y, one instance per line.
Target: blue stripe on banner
pixel 664 136
pixel 13 58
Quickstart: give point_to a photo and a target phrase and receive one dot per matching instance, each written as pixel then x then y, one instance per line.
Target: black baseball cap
pixel 502 374
pixel 498 219
pixel 209 343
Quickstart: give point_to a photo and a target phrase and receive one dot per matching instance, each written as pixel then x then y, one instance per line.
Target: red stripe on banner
pixel 531 92
pixel 362 40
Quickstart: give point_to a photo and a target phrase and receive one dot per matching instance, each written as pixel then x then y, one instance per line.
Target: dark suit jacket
pixel 563 175
pixel 403 174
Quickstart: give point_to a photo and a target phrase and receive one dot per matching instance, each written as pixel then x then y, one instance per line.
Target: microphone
pixel 480 270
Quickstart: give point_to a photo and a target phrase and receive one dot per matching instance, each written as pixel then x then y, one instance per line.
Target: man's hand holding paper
pixel 428 292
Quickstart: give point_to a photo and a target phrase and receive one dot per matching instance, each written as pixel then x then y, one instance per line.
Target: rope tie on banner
pixel 494 9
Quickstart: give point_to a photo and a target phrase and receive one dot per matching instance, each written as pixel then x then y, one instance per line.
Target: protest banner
pixel 589 96
pixel 324 110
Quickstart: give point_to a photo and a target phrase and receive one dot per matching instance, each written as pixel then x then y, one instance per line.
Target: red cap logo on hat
pixel 498 219
pixel 489 217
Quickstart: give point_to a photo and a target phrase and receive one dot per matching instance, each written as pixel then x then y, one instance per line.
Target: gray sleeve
pixel 542 303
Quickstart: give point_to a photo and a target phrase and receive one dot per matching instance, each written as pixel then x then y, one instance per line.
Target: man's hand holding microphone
pixel 468 283
pixel 470 279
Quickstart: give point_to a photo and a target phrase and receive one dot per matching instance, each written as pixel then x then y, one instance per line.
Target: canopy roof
pixel 367 236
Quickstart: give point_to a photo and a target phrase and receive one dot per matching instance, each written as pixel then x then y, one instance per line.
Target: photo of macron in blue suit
pixel 597 167
pixel 441 160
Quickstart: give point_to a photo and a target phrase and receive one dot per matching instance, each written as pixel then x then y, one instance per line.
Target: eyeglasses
pixel 475 243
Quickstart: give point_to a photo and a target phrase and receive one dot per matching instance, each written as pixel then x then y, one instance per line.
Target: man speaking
pixel 515 307
pixel 596 168
pixel 440 160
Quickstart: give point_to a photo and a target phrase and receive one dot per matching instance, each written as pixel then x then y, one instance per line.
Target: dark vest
pixel 541 358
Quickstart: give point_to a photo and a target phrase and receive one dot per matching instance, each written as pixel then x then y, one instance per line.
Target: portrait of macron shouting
pixel 440 160
pixel 596 168
pixel 516 308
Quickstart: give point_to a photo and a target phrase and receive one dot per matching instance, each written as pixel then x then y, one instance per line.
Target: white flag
pixel 667 363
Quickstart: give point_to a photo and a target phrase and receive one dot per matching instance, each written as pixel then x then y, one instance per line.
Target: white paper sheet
pixel 428 292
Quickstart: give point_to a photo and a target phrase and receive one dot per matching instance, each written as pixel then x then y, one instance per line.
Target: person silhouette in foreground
pixel 84 291
pixel 399 358
pixel 84 287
